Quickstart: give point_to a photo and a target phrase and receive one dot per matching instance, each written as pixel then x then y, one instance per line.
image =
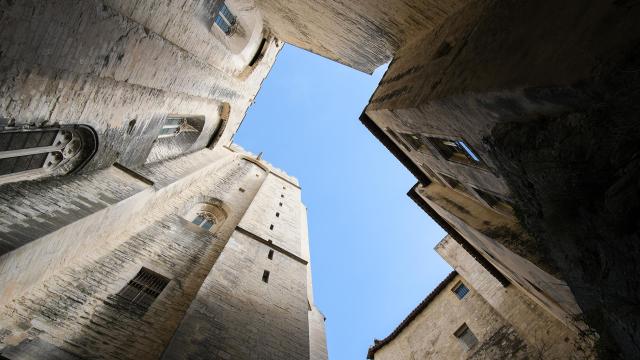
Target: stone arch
pixel 28 153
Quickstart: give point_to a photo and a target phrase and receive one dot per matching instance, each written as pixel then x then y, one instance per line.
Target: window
pixel 177 135
pixel 455 184
pixel 465 336
pixel 456 151
pixel 280 204
pixel 270 256
pixel 265 276
pixel 277 214
pixel 33 153
pixel 144 288
pixel 397 139
pixel 430 173
pixel 271 227
pixel 224 19
pixel 204 220
pixel 460 290
pixel 494 201
pixel 414 140
pixel 207 216
pixel 171 126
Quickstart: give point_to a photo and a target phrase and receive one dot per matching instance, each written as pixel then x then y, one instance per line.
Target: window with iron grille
pixel 224 19
pixel 457 151
pixel 466 336
pixel 460 290
pixel 144 288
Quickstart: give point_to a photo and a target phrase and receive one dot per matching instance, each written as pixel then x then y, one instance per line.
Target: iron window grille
pixel 460 290
pixel 144 288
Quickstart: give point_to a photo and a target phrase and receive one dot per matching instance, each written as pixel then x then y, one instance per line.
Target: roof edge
pixel 377 344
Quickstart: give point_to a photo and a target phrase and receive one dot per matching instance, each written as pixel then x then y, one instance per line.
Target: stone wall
pixel 430 334
pixel 74 308
pixel 545 336
pixel 529 86
pixel 107 65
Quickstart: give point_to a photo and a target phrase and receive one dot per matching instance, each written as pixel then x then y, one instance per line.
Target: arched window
pixel 31 153
pixel 207 216
pixel 176 136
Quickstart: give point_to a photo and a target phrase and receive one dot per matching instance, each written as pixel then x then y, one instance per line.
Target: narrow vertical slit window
pixel 277 214
pixel 265 276
pixel 144 288
pixel 271 227
pixel 270 255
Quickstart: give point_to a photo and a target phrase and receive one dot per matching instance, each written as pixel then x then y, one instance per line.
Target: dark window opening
pixel 465 336
pixel 144 288
pixel 456 151
pixel 131 126
pixel 277 214
pixel 241 189
pixel 270 256
pixel 414 140
pixel 455 184
pixel 397 139
pixel 282 195
pixel 494 201
pixel 225 19
pixel 460 290
pixel 265 276
pixel 280 204
pixel 271 227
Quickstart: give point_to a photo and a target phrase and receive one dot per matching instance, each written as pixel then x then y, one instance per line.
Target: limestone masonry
pixel 132 227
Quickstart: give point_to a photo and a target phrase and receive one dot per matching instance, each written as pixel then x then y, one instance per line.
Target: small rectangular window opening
pixel 280 204
pixel 271 227
pixel 397 139
pixel 265 276
pixel 270 256
pixel 456 150
pixel 144 288
pixel 460 290
pixel 241 189
pixel 282 195
pixel 465 336
pixel 277 214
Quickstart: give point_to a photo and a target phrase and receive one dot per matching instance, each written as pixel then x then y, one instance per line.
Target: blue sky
pixel 371 246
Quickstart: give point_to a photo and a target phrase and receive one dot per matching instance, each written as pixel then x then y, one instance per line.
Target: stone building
pixel 471 315
pixel 131 226
pixel 519 120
